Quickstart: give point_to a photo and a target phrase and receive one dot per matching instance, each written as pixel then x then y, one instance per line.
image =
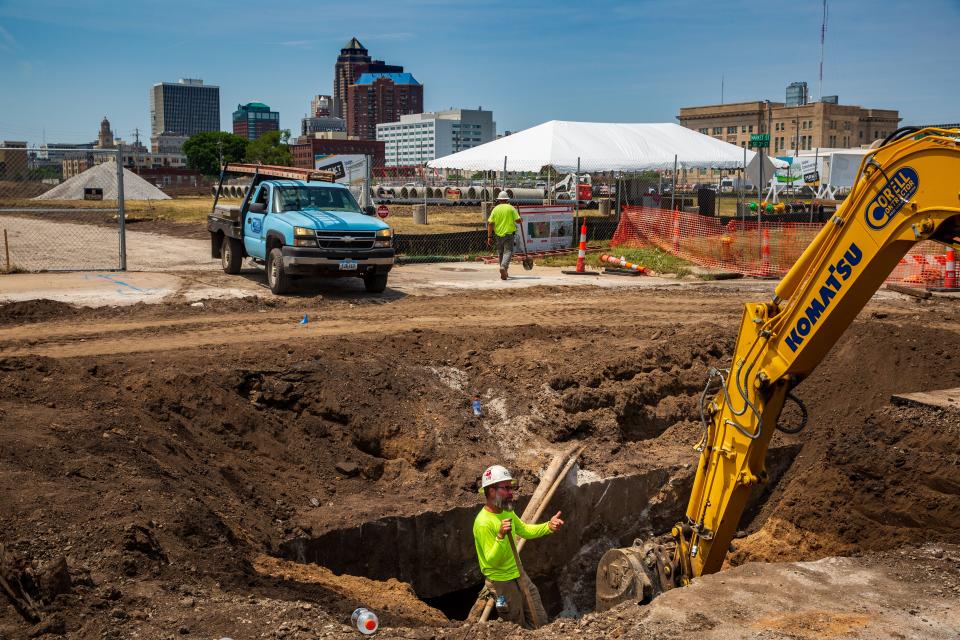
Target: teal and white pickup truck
pixel 299 222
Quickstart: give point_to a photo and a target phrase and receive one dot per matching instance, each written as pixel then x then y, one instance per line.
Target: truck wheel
pixel 277 278
pixel 230 255
pixel 375 283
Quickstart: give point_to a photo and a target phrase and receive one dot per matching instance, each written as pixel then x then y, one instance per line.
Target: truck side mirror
pixel 370 210
pixel 258 207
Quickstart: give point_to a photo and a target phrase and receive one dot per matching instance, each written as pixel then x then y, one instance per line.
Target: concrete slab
pixel 941 399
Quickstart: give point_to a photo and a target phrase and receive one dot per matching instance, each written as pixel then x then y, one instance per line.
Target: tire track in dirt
pixel 79 338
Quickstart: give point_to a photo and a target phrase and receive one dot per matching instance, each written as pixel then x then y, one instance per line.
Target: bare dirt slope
pixel 165 453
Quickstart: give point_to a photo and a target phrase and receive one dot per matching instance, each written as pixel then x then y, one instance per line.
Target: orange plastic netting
pixel 750 247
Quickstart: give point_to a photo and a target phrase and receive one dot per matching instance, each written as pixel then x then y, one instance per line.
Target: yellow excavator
pixel 907 190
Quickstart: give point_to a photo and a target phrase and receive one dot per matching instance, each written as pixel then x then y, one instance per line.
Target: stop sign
pixel 383 211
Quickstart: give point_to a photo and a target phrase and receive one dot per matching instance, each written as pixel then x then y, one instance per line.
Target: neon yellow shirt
pixel 495 556
pixel 504 218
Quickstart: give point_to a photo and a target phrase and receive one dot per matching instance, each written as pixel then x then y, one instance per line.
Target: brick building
pixel 352 63
pixel 381 97
pixel 254 119
pixel 802 127
pixel 305 150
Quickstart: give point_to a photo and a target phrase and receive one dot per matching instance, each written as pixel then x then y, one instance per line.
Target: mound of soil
pixel 25 311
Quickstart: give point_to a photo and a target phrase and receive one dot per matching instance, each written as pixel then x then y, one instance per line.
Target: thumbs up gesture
pixel 555 523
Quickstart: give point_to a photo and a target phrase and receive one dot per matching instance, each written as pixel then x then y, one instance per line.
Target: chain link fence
pixel 63 213
pixel 441 214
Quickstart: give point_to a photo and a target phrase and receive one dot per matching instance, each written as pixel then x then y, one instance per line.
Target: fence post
pixel 673 191
pixel 121 210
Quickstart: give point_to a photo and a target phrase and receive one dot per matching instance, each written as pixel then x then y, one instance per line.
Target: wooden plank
pixel 272 171
pixel 942 399
pixel 909 291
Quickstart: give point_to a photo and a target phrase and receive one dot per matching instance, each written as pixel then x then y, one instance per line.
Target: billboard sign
pixel 347 168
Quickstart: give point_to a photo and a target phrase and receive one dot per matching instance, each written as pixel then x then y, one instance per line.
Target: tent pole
pixel 504 173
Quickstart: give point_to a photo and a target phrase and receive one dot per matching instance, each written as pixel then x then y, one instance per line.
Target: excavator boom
pixel 908 190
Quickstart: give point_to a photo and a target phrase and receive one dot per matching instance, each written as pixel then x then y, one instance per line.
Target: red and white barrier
pixel 582 254
pixel 623 264
pixel 765 254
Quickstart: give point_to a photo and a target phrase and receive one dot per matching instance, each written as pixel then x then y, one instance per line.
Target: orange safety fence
pixel 752 248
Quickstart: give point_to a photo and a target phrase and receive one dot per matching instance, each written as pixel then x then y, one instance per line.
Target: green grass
pixel 649 257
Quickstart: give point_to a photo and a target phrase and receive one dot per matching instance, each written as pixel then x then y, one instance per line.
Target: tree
pixel 271 148
pixel 205 151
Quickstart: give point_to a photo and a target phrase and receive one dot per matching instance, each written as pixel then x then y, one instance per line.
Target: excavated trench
pixel 433 551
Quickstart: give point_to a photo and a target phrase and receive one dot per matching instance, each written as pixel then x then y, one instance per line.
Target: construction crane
pixel 906 191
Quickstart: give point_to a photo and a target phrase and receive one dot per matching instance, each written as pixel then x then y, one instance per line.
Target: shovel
pixel 527 260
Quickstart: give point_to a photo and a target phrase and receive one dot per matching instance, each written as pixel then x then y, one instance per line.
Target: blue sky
pixel 64 64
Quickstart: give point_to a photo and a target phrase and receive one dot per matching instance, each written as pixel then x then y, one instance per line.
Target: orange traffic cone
pixel 765 254
pixel 582 255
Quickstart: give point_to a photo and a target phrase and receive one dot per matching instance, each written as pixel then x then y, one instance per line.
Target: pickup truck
pixel 298 222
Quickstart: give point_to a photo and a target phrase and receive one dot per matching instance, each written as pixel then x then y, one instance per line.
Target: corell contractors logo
pixel 891 198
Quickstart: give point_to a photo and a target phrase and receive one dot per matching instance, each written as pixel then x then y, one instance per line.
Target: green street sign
pixel 760 140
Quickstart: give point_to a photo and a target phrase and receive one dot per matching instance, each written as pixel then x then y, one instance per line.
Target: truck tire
pixel 277 278
pixel 375 283
pixel 231 256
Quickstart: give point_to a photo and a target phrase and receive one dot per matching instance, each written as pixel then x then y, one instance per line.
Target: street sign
pixel 383 211
pixel 760 140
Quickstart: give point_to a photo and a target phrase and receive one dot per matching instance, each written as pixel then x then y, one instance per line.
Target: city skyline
pixel 626 62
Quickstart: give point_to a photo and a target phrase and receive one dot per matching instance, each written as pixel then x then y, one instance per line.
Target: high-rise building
pixel 254 119
pixel 797 94
pixel 381 97
pixel 321 106
pixel 186 107
pixel 420 137
pixel 353 62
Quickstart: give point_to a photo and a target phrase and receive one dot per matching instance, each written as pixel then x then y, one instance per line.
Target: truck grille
pixel 349 240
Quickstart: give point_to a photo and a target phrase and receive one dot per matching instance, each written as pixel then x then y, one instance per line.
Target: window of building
pixel 704 130
pixel 717 130
pixel 732 129
pixel 750 129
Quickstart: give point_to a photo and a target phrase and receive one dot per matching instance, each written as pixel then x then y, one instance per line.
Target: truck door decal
pixel 256 225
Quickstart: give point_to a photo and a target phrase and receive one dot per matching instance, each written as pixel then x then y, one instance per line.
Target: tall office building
pixel 420 137
pixel 186 107
pixel 381 97
pixel 254 119
pixel 353 62
pixel 797 95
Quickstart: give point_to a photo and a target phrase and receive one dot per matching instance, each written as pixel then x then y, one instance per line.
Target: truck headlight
pixel 384 233
pixel 384 238
pixel 304 242
pixel 303 231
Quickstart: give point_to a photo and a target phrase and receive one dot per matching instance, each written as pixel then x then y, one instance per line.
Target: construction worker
pixel 503 222
pixel 493 529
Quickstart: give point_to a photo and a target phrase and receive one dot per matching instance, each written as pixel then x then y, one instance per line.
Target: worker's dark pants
pixel 505 250
pixel 518 609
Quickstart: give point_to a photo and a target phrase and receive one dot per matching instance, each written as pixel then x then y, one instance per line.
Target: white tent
pixel 599 146
pixel 104 176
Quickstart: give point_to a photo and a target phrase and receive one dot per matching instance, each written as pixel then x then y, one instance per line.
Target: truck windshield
pixel 319 198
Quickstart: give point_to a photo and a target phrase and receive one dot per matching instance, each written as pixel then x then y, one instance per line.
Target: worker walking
pixel 503 223
pixel 493 529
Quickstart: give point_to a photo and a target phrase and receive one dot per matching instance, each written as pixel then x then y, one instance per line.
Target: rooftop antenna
pixel 823 36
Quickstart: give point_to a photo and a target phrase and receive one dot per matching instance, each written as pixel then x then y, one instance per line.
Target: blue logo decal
pixel 891 198
pixel 256 225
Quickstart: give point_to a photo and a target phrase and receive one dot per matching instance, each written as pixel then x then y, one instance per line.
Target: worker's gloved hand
pixel 505 525
pixel 555 522
pixel 489 241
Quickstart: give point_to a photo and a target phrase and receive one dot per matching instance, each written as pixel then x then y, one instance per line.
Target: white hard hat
pixel 493 475
pixel 503 196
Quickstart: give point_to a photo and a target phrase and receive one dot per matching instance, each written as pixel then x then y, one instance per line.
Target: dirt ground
pixel 156 461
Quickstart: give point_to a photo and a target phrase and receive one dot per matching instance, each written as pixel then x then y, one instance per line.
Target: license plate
pixel 348 265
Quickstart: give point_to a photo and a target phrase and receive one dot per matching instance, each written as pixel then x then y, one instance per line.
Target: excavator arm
pixel 908 190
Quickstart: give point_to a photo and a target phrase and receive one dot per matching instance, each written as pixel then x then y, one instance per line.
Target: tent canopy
pixel 599 146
